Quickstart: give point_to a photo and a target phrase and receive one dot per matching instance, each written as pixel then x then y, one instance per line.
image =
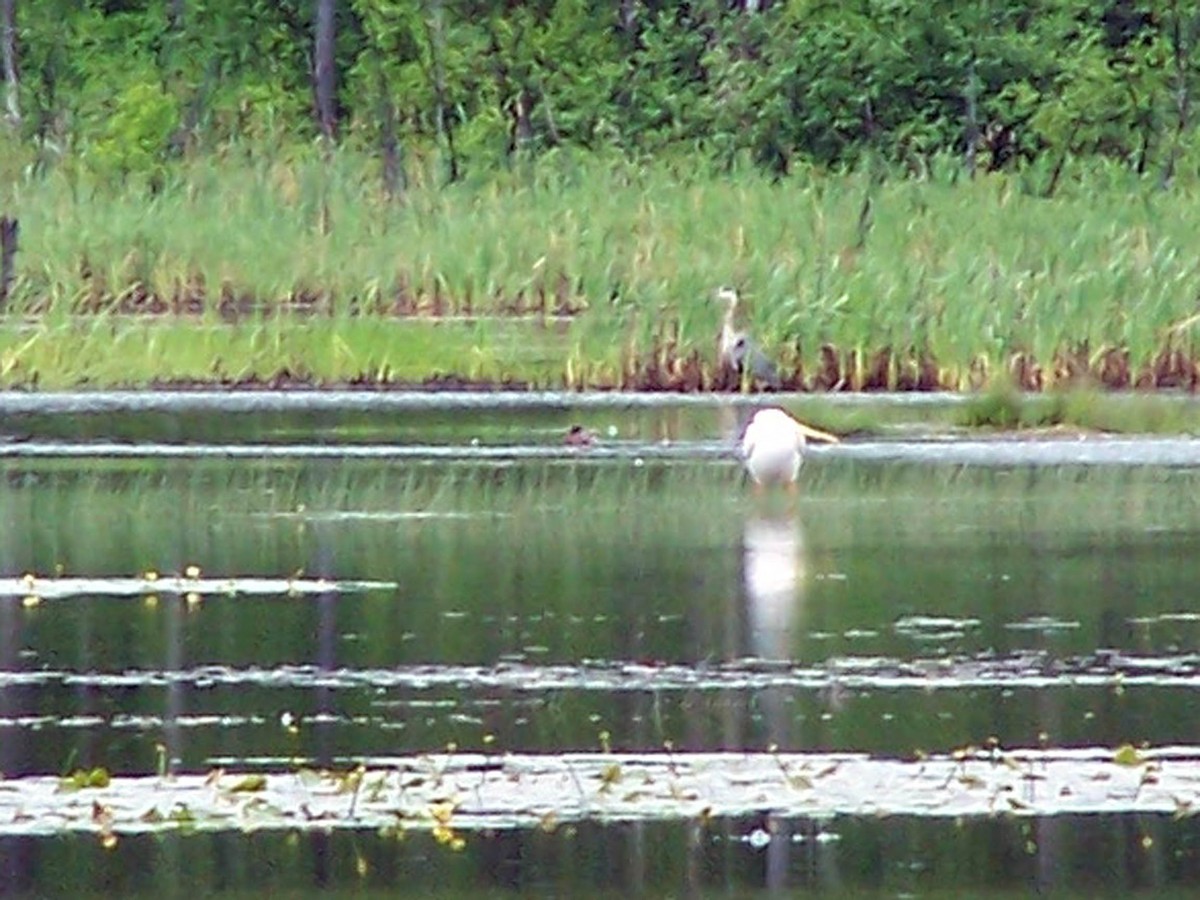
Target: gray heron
pixel 737 351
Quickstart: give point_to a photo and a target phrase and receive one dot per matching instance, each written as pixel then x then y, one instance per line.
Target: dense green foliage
pixel 972 274
pixel 930 192
pixel 131 83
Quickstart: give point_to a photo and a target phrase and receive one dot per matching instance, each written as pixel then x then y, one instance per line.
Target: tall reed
pixel 959 271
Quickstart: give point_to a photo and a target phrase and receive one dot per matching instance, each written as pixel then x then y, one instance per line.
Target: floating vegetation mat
pixel 447 793
pixel 32 588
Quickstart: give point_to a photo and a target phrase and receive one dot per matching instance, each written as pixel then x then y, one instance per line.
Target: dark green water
pixel 1074 857
pixel 523 590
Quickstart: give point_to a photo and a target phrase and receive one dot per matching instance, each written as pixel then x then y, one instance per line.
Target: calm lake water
pixel 489 590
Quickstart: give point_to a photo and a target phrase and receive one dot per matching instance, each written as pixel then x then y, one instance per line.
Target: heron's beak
pixel 726 296
pixel 816 434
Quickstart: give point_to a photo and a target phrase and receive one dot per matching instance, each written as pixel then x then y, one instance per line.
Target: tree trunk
pixel 324 86
pixel 1181 49
pixel 972 120
pixel 394 179
pixel 8 256
pixel 627 19
pixel 445 128
pixel 1060 164
pixel 8 61
pixel 173 47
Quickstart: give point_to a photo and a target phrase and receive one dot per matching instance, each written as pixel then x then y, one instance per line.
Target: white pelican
pixel 736 350
pixel 773 447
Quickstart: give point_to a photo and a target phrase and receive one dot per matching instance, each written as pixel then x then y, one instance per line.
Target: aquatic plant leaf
pixel 1128 755
pixel 82 779
pixel 249 784
pixel 609 775
pixel 533 791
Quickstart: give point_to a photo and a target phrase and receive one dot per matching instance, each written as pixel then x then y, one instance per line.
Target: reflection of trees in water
pixel 18 870
pixel 323 699
pixel 761 615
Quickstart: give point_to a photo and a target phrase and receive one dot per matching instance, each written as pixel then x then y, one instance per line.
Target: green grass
pixel 1001 406
pixel 109 350
pixel 968 272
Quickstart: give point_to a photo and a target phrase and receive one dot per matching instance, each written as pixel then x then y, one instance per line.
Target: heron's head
pixel 728 296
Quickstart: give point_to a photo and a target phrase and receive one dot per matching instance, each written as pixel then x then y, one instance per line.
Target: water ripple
pixel 635 451
pixel 1028 670
pixel 998 452
pixel 249 401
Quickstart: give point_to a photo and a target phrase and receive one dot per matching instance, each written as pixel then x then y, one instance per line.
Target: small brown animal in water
pixel 578 436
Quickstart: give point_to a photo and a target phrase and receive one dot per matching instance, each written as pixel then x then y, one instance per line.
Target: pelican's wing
pixel 747 443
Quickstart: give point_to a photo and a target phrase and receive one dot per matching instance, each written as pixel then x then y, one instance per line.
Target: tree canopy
pixel 128 84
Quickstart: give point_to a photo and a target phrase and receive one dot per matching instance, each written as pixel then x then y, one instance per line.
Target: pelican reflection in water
pixel 773 574
pixel 775 589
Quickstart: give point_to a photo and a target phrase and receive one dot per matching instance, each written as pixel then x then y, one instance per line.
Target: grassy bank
pixel 596 275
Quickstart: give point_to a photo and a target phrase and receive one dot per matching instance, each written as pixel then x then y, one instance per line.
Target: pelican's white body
pixel 773 446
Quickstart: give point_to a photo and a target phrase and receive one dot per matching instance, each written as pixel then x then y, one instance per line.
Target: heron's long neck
pixel 727 328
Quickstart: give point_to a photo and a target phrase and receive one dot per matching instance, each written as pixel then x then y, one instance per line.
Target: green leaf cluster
pixel 130 84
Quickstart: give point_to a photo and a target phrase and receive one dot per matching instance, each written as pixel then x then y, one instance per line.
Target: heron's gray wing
pixel 761 368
